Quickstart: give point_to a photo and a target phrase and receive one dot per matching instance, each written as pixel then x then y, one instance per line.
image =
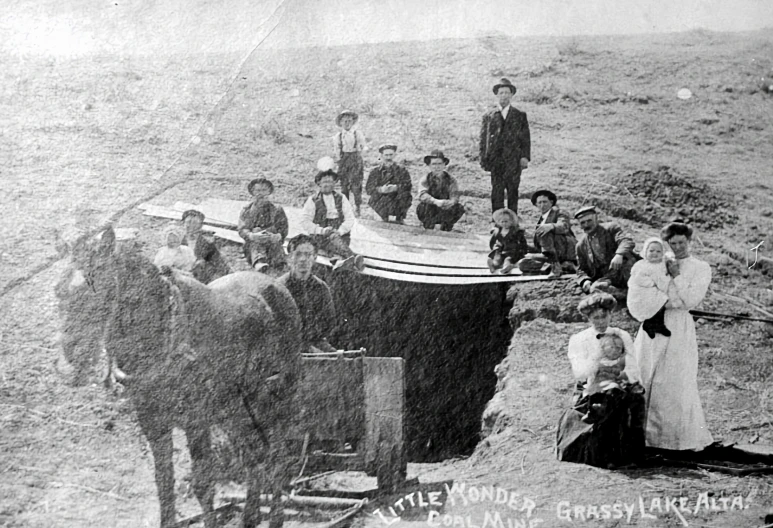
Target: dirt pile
pixel 534 383
pixel 654 197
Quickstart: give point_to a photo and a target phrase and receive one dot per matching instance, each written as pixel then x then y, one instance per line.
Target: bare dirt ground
pixel 87 138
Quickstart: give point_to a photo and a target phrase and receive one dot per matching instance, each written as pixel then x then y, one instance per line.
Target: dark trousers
pixel 350 174
pixel 271 253
pixel 334 244
pixel 505 177
pixel 430 214
pixel 395 204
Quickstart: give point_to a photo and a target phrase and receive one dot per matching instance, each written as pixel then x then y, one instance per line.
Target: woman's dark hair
pixel 595 301
pixel 298 240
pixel 260 181
pixel 676 228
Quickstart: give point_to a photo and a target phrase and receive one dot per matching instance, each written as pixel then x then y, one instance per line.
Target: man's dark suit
pixel 502 145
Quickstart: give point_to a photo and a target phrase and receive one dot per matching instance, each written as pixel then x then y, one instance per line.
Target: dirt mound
pixel 534 382
pixel 654 197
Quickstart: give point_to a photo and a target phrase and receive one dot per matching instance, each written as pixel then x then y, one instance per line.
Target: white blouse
pixel 585 353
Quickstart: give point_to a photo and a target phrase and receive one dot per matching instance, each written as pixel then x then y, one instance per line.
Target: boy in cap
pixel 263 226
pixel 328 218
pixel 389 186
pixel 210 264
pixel 604 252
pixel 505 147
pixel 348 145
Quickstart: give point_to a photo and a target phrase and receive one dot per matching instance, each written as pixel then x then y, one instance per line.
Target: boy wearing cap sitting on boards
pixel 263 226
pixel 348 145
pixel 438 195
pixel 328 218
pixel 508 242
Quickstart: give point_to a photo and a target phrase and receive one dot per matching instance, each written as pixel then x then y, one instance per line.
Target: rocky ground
pixel 90 137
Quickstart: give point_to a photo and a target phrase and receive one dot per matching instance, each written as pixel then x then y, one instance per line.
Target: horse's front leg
pixel 160 440
pixel 200 447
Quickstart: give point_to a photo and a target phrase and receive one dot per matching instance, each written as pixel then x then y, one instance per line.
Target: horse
pixel 195 355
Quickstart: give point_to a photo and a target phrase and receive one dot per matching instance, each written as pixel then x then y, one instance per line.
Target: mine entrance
pixel 451 338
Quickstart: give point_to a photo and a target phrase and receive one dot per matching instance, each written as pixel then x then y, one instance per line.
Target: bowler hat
pixel 387 146
pixel 504 83
pixel 193 212
pixel 437 153
pixel 582 211
pixel 322 174
pixel 260 181
pixel 543 192
pixel 350 113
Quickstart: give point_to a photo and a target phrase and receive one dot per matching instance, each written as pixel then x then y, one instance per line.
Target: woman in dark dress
pixel 614 436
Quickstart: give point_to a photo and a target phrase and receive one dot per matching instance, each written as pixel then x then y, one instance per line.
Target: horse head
pixel 111 298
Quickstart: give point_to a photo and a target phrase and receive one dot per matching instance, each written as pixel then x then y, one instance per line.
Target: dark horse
pixel 228 353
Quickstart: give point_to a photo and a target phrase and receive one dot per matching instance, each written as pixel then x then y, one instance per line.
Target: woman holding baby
pixel 605 426
pixel 662 290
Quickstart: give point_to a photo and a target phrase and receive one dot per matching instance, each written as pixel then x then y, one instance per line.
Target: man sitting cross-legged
pixel 328 217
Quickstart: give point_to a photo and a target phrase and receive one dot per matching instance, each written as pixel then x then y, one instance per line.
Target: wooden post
pixel 384 446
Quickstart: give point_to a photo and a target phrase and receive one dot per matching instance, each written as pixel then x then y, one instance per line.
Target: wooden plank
pixel 458 281
pixel 331 393
pixel 383 449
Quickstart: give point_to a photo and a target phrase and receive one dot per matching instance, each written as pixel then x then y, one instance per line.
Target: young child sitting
pixel 648 288
pixel 609 375
pixel 508 242
pixel 175 255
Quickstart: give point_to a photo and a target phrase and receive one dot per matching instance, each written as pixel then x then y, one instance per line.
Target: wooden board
pixel 394 252
pixel 384 449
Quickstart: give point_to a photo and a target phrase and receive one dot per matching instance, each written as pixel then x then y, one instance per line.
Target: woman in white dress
pixel 669 365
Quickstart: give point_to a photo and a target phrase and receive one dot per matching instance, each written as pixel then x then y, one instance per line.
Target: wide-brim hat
pixel 350 113
pixel 596 300
pixel 544 192
pixel 436 154
pixel 387 146
pixel 499 213
pixel 504 83
pixel 260 181
pixel 582 211
pixel 193 212
pixel 322 174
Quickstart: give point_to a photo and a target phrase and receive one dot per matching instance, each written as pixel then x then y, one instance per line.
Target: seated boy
pixel 263 226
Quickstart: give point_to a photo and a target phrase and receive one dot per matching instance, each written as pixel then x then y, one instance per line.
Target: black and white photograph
pixel 386 263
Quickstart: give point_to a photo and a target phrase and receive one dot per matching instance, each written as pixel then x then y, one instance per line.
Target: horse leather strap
pixel 253 419
pixel 177 342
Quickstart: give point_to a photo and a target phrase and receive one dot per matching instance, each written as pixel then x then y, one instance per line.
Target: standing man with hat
pixel 348 145
pixel 328 218
pixel 210 264
pixel 438 195
pixel 263 226
pixel 553 238
pixel 605 254
pixel 505 147
pixel 389 186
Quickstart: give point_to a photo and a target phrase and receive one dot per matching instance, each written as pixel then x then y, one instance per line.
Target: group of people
pixel 633 393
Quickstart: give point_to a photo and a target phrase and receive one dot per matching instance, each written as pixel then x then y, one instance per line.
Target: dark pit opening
pixel 451 338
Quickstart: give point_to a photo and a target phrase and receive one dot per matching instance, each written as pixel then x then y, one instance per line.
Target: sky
pixel 78 27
